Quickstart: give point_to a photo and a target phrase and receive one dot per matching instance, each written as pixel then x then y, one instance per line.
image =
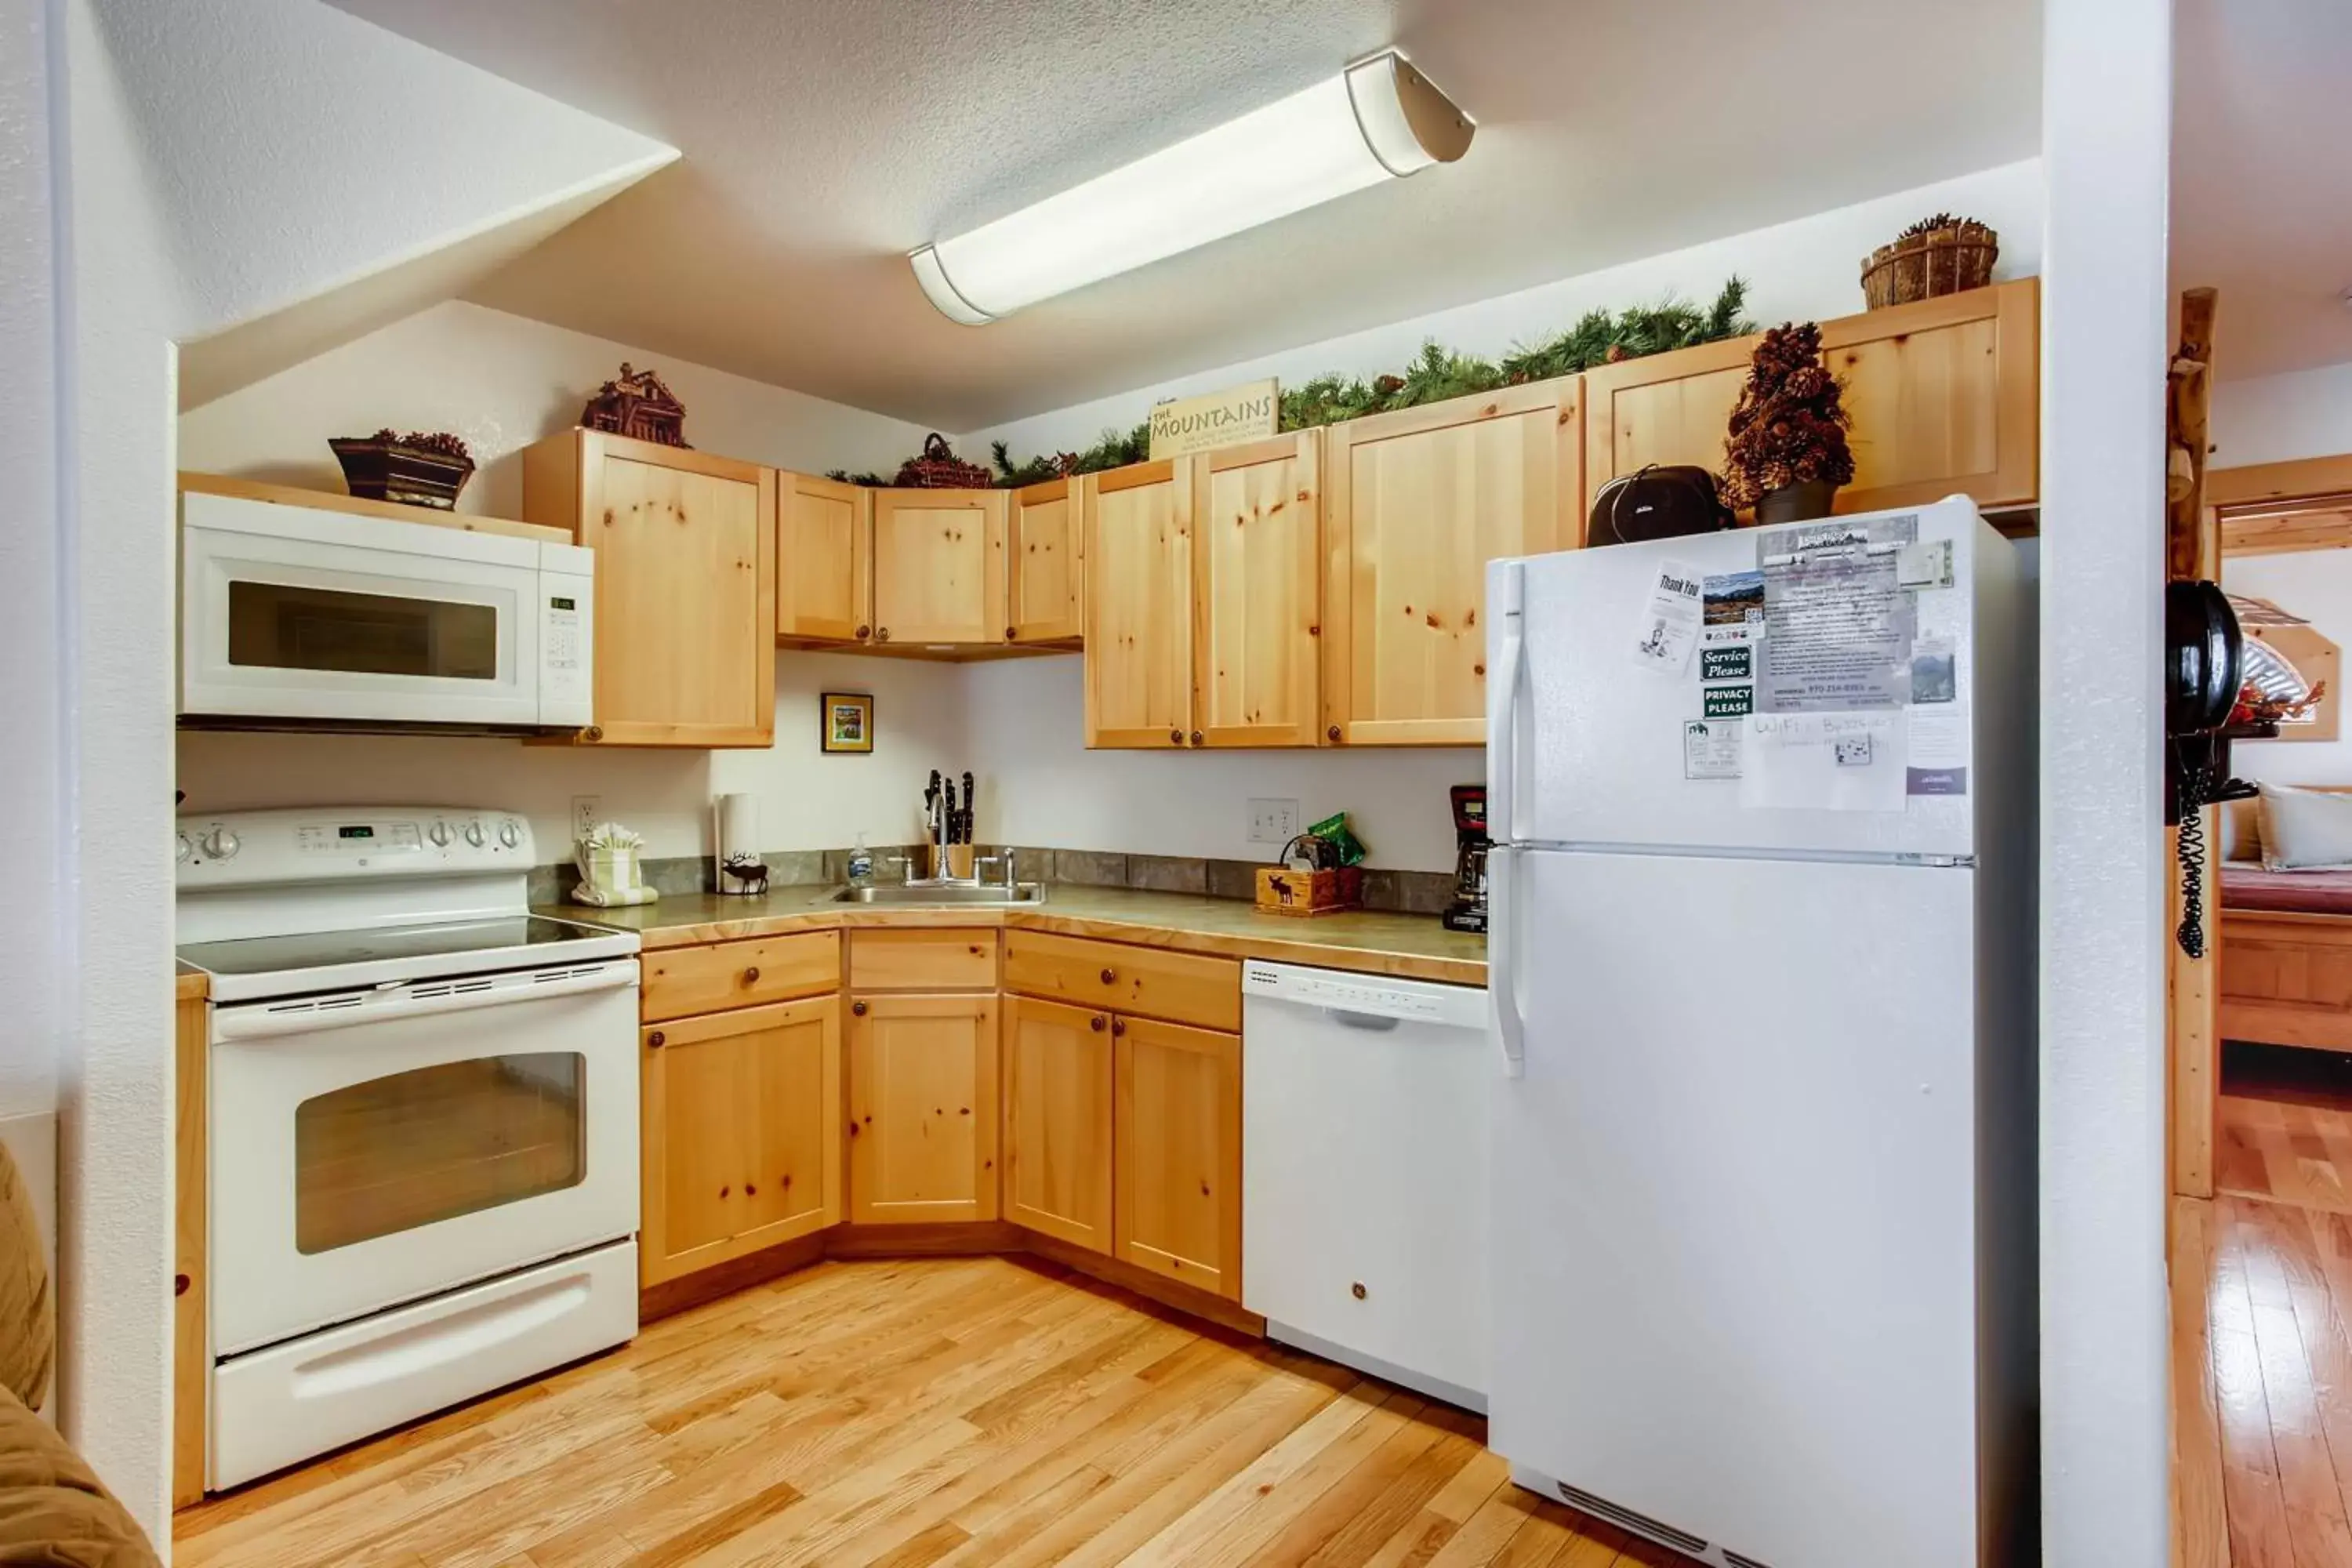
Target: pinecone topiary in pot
pixel 1786 451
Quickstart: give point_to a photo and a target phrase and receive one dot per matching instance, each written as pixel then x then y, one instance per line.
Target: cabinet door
pixel 922 1108
pixel 686 587
pixel 1421 499
pixel 824 559
pixel 1057 1132
pixel 1944 393
pixel 1258 511
pixel 192 1350
pixel 1138 609
pixel 938 566
pixel 1177 1135
pixel 742 1134
pixel 1045 553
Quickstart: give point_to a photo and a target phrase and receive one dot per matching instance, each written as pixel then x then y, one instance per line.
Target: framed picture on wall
pixel 846 721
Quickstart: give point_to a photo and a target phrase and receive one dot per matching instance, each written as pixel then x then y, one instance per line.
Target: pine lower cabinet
pixel 1419 502
pixel 1058 1120
pixel 1944 395
pixel 742 1144
pixel 1177 1134
pixel 938 567
pixel 922 1108
pixel 686 585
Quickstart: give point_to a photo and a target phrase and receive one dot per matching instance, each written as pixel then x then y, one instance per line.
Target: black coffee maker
pixel 1468 910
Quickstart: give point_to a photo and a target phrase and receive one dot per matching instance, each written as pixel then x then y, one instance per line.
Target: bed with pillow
pixel 2286 918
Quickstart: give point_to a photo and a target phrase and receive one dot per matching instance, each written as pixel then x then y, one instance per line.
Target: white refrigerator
pixel 1762 969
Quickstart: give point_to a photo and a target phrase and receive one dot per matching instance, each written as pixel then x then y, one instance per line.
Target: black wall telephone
pixel 2204 655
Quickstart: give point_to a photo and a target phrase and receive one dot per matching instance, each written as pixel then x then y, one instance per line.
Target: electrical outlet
pixel 587 811
pixel 1273 821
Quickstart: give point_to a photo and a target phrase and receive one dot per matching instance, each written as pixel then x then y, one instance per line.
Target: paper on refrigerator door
pixel 1823 762
pixel 1669 623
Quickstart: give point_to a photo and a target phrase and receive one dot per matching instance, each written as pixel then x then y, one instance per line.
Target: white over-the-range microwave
pixel 295 616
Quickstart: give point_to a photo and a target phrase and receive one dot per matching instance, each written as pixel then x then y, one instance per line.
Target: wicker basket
pixel 939 468
pixel 1947 260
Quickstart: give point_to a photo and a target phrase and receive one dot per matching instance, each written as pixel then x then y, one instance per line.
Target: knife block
pixel 952 861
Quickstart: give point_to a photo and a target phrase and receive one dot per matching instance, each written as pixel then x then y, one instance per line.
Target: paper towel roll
pixel 738 833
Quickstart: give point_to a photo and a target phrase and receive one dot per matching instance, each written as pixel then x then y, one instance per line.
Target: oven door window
pixel 290 626
pixel 396 1153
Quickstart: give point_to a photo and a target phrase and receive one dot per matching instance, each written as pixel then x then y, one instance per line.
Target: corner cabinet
pixel 1139 610
pixel 1945 396
pixel 825 560
pixel 742 1134
pixel 938 567
pixel 1420 501
pixel 686 585
pixel 922 1108
pixel 1045 563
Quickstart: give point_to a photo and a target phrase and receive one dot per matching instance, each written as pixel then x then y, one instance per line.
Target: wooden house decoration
pixel 637 404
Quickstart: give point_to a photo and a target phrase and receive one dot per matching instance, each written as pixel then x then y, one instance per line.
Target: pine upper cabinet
pixel 1419 502
pixel 825 560
pixel 938 566
pixel 686 585
pixel 742 1134
pixel 1258 563
pixel 1139 605
pixel 1178 1138
pixel 1944 394
pixel 1045 552
pixel 1058 1120
pixel 922 1108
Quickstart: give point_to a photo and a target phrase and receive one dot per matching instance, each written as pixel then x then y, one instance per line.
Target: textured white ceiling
pixel 821 140
pixel 2262 177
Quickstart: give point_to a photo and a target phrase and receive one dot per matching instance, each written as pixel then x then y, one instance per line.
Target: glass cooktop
pixel 506 942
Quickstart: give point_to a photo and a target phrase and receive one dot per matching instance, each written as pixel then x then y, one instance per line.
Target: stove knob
pixel 220 844
pixel 187 849
pixel 509 834
pixel 474 834
pixel 439 834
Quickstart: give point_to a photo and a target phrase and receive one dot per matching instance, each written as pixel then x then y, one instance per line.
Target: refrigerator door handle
pixel 1503 700
pixel 1502 979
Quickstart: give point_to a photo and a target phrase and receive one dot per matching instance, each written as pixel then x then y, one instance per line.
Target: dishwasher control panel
pixel 1419 1001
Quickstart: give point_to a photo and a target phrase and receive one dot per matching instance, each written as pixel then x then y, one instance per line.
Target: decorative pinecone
pixel 1789 426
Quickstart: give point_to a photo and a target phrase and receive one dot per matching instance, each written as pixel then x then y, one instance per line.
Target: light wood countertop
pixel 1412 947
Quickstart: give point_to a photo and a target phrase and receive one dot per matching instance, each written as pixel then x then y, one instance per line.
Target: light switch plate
pixel 587 811
pixel 1273 821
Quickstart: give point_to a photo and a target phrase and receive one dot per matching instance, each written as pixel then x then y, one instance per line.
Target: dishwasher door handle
pixel 1378 1023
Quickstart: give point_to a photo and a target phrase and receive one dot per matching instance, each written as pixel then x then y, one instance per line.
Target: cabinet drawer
pixel 1149 982
pixel 922 960
pixel 684 979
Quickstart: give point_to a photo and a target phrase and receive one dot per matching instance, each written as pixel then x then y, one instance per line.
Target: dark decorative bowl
pixel 375 470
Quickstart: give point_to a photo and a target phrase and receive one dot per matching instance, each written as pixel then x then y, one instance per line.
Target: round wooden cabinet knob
pixel 1356 1289
pixel 881 634
pixel 1012 632
pixel 1333 734
pixel 1117 1027
pixel 594 732
pixel 1175 737
pixel 751 976
pixel 859 1008
pixel 657 1038
pixel 1109 975
pixel 179 1284
pixel 1196 737
pixel 1097 1023
pixel 865 632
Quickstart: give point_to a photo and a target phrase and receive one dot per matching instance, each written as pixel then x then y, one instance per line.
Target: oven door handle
pixel 264 1020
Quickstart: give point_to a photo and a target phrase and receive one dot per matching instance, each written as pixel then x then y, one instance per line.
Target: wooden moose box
pixel 1284 891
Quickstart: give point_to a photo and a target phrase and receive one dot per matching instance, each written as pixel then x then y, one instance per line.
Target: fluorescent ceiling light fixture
pixel 1378 120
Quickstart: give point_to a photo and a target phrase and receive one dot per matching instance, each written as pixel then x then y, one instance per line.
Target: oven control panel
pixel 242 848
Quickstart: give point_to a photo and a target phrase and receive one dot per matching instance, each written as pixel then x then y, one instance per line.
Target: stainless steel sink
pixel 939 893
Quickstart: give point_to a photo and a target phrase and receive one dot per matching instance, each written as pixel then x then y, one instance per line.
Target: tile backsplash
pixel 1407 892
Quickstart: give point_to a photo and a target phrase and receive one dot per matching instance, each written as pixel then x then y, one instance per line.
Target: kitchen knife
pixel 970 803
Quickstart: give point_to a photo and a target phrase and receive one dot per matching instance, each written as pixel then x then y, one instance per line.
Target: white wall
pixel 502 382
pixel 1810 268
pixel 2105 1417
pixel 2279 418
pixel 2317 585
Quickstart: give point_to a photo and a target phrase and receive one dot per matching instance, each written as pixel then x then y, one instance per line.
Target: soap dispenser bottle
pixel 861 864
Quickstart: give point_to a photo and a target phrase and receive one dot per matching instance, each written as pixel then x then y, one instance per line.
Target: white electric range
pixel 422 1121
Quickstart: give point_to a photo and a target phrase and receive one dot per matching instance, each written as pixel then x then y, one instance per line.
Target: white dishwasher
pixel 1364 1198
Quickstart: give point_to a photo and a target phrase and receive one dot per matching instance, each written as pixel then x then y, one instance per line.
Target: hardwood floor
pixel 2262 1309
pixel 965 1411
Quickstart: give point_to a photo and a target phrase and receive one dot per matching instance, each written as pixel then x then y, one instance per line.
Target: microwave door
pixel 283 627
